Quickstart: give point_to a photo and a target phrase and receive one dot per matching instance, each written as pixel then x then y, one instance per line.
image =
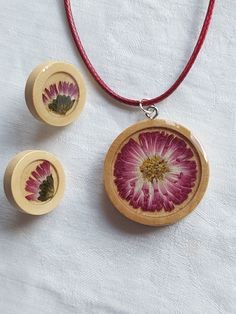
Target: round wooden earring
pixel 55 93
pixel 156 172
pixel 34 182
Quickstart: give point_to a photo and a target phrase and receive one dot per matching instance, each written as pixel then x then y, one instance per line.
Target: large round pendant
pixel 156 172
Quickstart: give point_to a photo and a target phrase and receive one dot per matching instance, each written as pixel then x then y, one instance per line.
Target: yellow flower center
pixel 154 168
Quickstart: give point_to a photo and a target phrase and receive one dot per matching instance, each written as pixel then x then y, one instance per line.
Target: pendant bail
pixel 151 112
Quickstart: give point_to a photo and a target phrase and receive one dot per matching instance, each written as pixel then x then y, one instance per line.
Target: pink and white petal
pixel 146 143
pixel 132 152
pixel 75 92
pixel 175 144
pixel 31 189
pixel 31 197
pixel 162 189
pixel 176 154
pixel 186 181
pixel 65 88
pixel 166 197
pixel 161 138
pixel 125 171
pixel 184 164
pixel 171 177
pixel 152 203
pixel 187 174
pixel 52 91
pixel 168 205
pixel 45 99
pixel 157 202
pixel 70 89
pixel 149 143
pixel 45 166
pixel 36 175
pixel 55 89
pixel 43 170
pixel 125 183
pixel 40 172
pixel 167 145
pixel 176 194
pixel 126 176
pixel 33 183
pixel 48 93
pixel 136 149
pixel 60 87
pixel 126 188
pixel 128 165
pixel 120 173
pixel 162 144
pixel 181 154
pixel 137 200
pixel 147 194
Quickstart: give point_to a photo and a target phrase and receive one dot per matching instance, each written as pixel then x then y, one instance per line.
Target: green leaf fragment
pixel 62 104
pixel 46 189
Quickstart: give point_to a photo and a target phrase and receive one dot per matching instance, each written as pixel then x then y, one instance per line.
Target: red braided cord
pixel 125 100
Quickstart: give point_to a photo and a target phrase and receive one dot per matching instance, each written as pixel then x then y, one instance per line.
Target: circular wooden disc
pixel 156 172
pixel 55 93
pixel 34 182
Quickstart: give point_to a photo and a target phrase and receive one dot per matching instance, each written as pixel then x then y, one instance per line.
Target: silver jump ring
pixel 151 112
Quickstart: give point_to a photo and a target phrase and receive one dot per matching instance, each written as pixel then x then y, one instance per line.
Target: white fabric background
pixel 85 257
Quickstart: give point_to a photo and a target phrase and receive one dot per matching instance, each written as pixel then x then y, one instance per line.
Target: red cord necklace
pixel 155 171
pixel 134 102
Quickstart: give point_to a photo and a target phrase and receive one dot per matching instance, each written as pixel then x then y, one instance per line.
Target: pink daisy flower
pixel 40 184
pixel 60 97
pixel 155 172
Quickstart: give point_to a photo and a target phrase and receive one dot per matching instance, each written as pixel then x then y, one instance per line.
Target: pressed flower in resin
pixel 40 184
pixel 60 97
pixel 155 171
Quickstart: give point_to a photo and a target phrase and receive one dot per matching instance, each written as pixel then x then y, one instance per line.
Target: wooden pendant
pixel 156 172
pixel 55 93
pixel 34 182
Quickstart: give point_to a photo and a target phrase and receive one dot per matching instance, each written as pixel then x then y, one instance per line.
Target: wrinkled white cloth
pixel 85 257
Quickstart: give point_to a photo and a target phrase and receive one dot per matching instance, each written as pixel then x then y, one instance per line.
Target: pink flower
pixel 40 184
pixel 60 97
pixel 157 171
